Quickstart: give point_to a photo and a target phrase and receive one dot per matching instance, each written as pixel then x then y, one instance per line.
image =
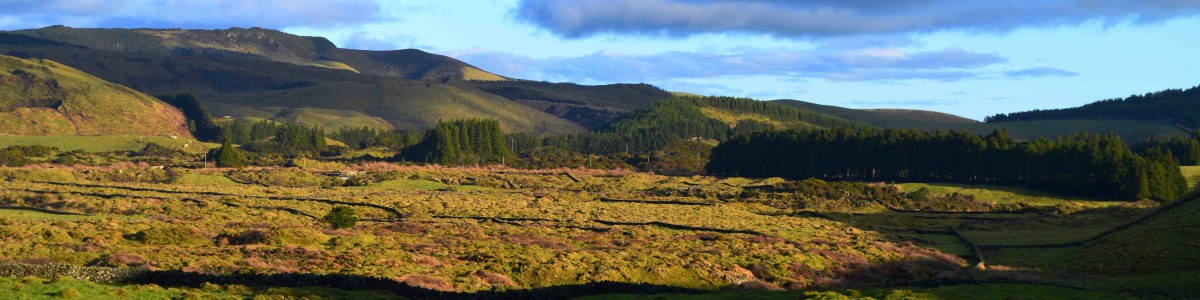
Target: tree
pixel 341 217
pixel 231 157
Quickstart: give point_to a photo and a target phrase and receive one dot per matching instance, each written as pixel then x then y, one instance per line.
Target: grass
pixel 1163 244
pixel 463 230
pixel 26 215
pixel 203 179
pixel 35 288
pixel 980 291
pixel 103 143
pixel 1005 195
pixel 1192 173
pixel 89 105
pixel 733 117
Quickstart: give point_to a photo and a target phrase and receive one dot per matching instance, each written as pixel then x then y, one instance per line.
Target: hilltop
pixel 1172 106
pixel 276 74
pixel 43 97
pixel 887 118
pixel 265 44
pixel 1129 129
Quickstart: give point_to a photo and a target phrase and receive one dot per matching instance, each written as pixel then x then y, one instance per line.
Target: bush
pixel 341 217
pixel 229 156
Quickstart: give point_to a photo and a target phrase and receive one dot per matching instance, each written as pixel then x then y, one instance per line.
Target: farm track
pixel 398 215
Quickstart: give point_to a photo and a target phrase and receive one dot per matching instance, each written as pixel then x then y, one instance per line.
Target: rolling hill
pixel 42 97
pixel 264 44
pixel 887 118
pixel 1173 106
pixel 1129 129
pixel 282 76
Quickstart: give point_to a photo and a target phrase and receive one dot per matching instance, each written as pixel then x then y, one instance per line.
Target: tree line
pixel 1084 164
pixel 1178 106
pixel 1186 149
pixel 677 119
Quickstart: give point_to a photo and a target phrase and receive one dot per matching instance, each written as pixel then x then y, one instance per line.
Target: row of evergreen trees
pixel 1186 149
pixel 1178 106
pixel 366 137
pixel 1082 164
pixel 461 142
pixel 200 121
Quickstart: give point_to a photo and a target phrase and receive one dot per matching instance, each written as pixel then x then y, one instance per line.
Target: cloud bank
pixel 830 18
pixel 20 14
pixel 855 65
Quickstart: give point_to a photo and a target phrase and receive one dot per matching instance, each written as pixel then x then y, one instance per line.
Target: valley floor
pixel 432 232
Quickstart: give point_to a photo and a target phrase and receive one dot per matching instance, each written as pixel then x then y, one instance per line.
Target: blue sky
pixel 972 58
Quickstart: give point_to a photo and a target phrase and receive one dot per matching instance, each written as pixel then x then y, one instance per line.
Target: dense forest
pixel 1185 149
pixel 461 142
pixel 1083 164
pixel 1177 106
pixel 681 118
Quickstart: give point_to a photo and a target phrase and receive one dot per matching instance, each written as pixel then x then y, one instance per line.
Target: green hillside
pixel 694 118
pixel 887 118
pixel 1173 106
pixel 1157 254
pixel 264 44
pixel 414 104
pixel 1129 130
pixel 590 106
pixel 42 97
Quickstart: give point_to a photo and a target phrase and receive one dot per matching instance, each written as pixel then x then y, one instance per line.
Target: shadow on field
pixel 361 283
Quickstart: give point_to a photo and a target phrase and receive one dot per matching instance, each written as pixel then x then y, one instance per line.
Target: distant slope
pixel 265 44
pixel 239 86
pixel 887 118
pixel 42 97
pixel 719 118
pixel 590 106
pixel 925 115
pixel 1130 130
pixel 1175 106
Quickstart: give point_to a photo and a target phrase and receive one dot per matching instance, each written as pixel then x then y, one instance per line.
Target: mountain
pixel 264 44
pixel 265 73
pixel 1173 106
pixel 42 97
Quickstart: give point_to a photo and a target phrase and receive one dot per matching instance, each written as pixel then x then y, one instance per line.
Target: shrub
pixel 69 293
pixel 341 217
pixel 229 156
pixel 171 236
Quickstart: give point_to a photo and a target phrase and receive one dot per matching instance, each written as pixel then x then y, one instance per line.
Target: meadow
pixel 467 232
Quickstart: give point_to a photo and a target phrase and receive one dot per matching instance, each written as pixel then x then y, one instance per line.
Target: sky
pixel 971 58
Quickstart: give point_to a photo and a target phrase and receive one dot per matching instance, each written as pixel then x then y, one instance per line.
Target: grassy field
pixel 983 291
pixel 472 230
pixel 38 288
pixel 103 143
pixel 1192 173
pixel 1006 195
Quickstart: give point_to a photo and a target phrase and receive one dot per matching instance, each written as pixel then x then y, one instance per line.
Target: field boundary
pixel 43 210
pixel 391 210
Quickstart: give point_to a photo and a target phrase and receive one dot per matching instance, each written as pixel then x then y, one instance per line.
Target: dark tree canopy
pixel 1082 164
pixel 200 122
pixel 1177 106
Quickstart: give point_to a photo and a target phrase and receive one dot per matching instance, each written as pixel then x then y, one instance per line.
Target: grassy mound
pixel 42 97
